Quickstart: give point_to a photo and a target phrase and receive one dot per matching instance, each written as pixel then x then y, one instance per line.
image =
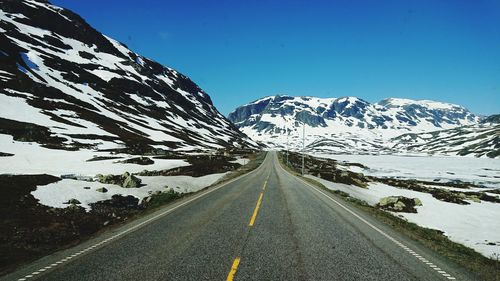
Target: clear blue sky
pixel 239 51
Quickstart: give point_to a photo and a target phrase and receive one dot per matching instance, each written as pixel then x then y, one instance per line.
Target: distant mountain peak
pixel 350 121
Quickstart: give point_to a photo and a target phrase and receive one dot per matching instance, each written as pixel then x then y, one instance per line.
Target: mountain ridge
pixel 77 88
pixel 353 125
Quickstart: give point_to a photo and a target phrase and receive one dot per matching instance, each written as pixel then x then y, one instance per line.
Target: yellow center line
pixel 236 261
pixel 234 268
pixel 254 216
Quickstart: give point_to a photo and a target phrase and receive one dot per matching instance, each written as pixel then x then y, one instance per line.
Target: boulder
pixel 73 201
pixel 102 189
pixel 131 181
pixel 109 179
pixel 388 200
pixel 399 204
pixel 417 202
pixel 125 180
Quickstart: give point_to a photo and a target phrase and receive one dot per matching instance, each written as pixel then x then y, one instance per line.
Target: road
pixel 266 225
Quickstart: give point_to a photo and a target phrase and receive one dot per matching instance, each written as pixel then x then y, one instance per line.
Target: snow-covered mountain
pixel 479 140
pixel 65 85
pixel 352 125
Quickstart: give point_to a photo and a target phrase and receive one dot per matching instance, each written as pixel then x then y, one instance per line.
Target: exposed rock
pixel 73 201
pixel 448 196
pixel 117 201
pixel 474 198
pixel 126 180
pixel 399 204
pixel 327 170
pixel 102 189
pixel 109 179
pixel 131 181
pixel 101 158
pixel 201 165
pixel 139 160
pixel 417 202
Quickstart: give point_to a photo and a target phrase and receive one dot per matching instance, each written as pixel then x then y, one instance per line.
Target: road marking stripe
pixel 254 216
pixel 234 268
pixel 265 182
pixel 236 262
pixel 166 212
pixel 401 245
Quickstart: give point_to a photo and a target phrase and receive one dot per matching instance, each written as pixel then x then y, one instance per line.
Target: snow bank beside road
pixel 476 225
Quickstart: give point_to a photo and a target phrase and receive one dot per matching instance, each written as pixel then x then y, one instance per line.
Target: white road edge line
pixel 398 243
pixel 137 226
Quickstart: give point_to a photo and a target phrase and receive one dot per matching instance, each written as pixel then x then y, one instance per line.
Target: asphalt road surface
pixel 265 225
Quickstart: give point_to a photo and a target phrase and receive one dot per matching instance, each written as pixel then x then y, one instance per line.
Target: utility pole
pixel 303 144
pixel 287 147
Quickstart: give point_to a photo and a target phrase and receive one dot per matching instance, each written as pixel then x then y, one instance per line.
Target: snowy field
pixel 56 194
pixel 31 158
pixel 481 171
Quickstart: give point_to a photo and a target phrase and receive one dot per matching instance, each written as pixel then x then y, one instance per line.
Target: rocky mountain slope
pixel 65 85
pixel 481 139
pixel 352 125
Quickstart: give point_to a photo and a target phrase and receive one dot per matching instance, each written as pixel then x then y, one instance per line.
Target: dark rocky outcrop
pixel 126 180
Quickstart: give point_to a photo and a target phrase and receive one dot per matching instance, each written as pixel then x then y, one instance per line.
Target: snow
pixel 183 184
pixel 372 123
pixel 47 6
pixel 481 171
pixel 472 225
pixel 241 161
pixel 31 158
pixel 105 74
pixel 107 67
pixel 56 194
pixel 138 99
pixel 425 103
pixel 122 49
pixel 5 76
pixel 28 59
pixel 16 108
pixel 139 61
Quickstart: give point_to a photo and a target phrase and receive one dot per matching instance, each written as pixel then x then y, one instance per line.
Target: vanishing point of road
pixel 265 225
